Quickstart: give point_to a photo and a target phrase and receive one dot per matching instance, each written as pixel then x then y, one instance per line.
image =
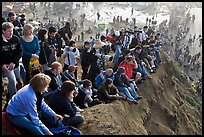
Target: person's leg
pixel 133 92
pixel 50 121
pixel 75 73
pixel 73 121
pixel 26 67
pixel 17 73
pixel 126 91
pixel 116 56
pixel 11 83
pixel 25 123
pixel 23 73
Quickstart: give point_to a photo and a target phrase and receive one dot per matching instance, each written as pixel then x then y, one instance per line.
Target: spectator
pixel 55 40
pixel 123 84
pixel 31 48
pixel 45 51
pixel 141 65
pixel 66 33
pixel 23 108
pixel 11 52
pixel 16 23
pixel 71 55
pixel 56 76
pixel 107 92
pixel 64 99
pixel 130 64
pixel 85 53
pixel 103 76
pixel 86 96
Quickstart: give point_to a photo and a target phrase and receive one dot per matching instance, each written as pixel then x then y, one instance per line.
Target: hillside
pixel 169 107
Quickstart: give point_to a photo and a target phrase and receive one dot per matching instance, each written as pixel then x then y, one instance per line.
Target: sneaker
pixel 138 98
pixel 79 109
pixel 151 71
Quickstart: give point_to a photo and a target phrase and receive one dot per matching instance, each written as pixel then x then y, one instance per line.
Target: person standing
pixel 11 52
pixel 31 48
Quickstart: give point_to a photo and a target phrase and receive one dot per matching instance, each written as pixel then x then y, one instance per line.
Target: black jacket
pixel 57 42
pixel 121 80
pixel 11 51
pixel 53 83
pixel 61 105
pixel 45 53
pixel 85 57
pixel 107 94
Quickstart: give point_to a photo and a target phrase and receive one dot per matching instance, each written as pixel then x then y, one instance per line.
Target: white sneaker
pixel 79 109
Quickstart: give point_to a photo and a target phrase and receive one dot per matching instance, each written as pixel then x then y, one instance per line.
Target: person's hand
pixel 11 66
pixel 143 64
pixel 129 89
pixel 49 133
pixel 34 56
pixel 5 68
pixel 58 117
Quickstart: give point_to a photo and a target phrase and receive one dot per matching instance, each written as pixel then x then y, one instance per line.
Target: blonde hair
pixel 40 82
pixel 55 65
pixel 26 28
pixel 7 25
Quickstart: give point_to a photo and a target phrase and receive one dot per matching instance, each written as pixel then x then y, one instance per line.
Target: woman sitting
pixel 27 107
pixel 64 99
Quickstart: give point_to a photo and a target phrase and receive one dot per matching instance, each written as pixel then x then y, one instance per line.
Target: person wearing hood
pixel 123 84
pixel 107 92
pixel 63 98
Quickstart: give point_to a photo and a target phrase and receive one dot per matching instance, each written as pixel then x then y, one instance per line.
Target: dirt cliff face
pixel 169 107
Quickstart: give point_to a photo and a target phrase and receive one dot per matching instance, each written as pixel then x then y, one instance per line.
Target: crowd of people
pixel 47 85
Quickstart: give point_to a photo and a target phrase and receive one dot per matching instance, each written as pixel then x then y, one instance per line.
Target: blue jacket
pixel 99 81
pixel 24 103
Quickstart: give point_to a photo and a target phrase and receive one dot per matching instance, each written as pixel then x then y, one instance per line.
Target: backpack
pixel 34 67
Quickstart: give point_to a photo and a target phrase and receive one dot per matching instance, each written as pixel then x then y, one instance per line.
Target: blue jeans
pixel 131 96
pixel 12 75
pixel 24 122
pixel 142 70
pixel 116 55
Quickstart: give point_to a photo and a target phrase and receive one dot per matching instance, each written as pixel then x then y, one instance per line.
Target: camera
pixel 72 49
pixel 130 58
pixel 104 57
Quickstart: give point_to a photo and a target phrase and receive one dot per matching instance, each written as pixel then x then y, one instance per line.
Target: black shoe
pixel 138 98
pixel 139 81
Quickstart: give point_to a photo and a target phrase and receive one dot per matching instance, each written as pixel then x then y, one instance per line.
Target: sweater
pixel 11 51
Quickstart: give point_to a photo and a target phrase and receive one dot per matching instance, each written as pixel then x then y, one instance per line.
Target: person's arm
pixel 19 52
pixel 37 49
pixel 70 108
pixel 107 95
pixel 25 52
pixel 32 111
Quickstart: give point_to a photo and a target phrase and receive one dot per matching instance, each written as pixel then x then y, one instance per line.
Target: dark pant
pixel 73 121
pixel 26 67
pixel 85 72
pixel 26 123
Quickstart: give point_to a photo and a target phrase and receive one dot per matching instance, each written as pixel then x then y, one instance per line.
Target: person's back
pixel 63 98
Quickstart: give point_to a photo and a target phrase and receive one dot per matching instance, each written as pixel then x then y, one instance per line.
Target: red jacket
pixel 128 67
